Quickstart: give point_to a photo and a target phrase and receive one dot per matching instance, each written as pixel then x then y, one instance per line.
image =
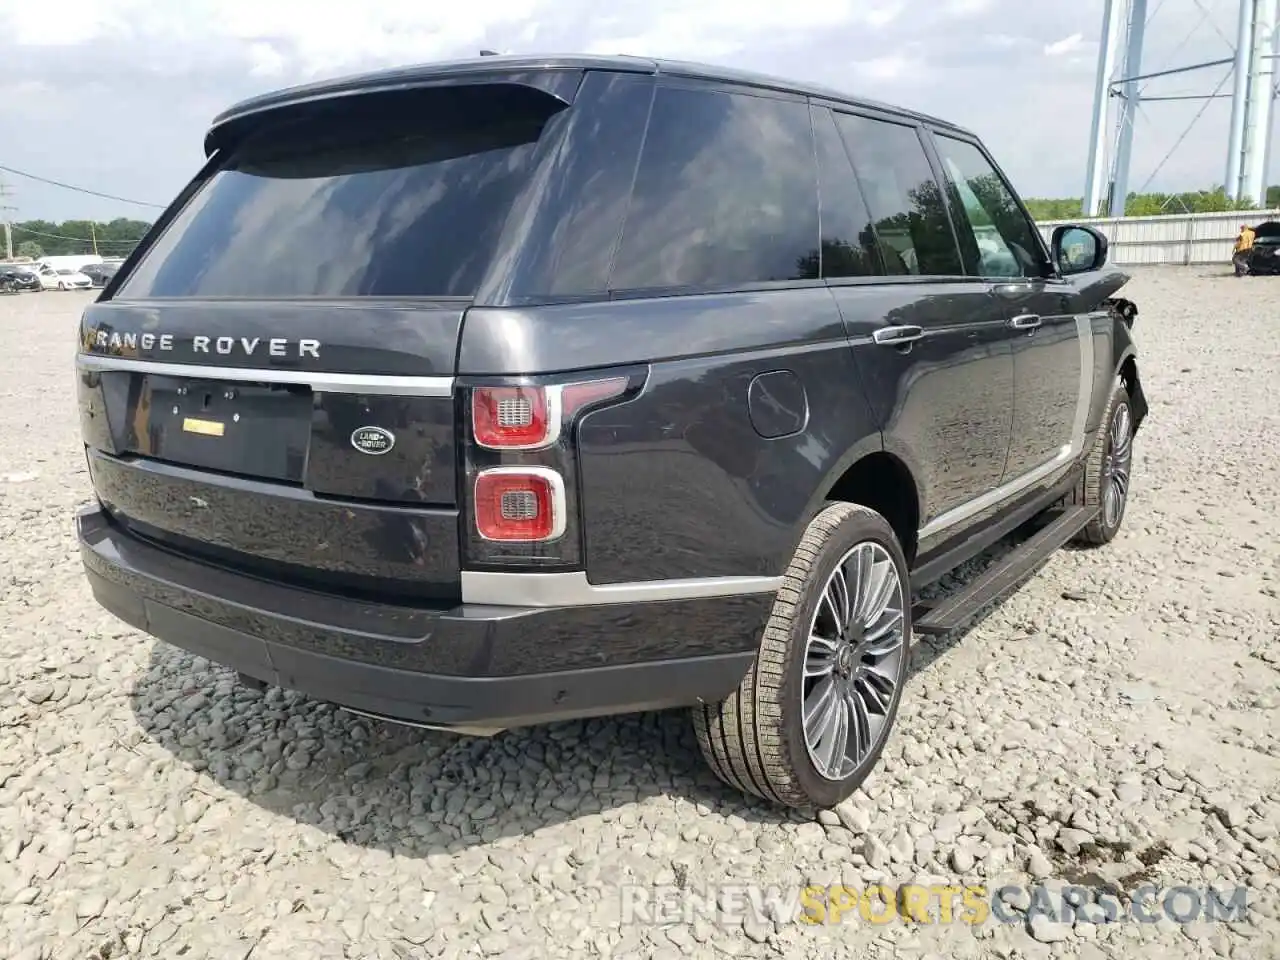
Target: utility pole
pixel 5 209
pixel 1129 107
pixel 1239 97
pixel 94 234
pixel 1257 112
pixel 1248 149
pixel 1095 189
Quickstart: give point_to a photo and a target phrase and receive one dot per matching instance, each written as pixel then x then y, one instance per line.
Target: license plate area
pixel 257 430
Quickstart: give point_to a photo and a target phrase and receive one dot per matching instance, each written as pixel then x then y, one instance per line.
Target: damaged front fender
pixel 1126 310
pixel 1137 398
pixel 1124 313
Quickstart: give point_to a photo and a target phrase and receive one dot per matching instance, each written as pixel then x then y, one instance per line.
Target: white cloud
pixel 894 66
pixel 267 60
pixel 968 8
pixel 1064 46
pixel 304 36
pixel 716 29
pixel 311 37
pixel 884 15
pixel 1005 40
pixel 75 22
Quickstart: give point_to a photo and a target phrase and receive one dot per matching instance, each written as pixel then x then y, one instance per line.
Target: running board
pixel 952 612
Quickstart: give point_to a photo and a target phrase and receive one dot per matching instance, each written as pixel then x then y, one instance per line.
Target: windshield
pixel 388 202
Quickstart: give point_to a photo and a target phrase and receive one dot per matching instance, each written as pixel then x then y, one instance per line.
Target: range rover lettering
pixel 504 391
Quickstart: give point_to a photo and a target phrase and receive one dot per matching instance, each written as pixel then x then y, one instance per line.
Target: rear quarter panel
pixel 678 482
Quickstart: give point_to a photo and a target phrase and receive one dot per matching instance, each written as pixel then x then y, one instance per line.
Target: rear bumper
pixel 474 668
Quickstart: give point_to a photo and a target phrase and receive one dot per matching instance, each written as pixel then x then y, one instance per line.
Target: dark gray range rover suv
pixel 496 392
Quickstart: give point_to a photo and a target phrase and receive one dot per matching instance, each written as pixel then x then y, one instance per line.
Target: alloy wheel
pixel 1117 465
pixel 853 660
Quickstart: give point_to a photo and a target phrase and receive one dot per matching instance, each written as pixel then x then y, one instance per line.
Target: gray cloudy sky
pixel 114 95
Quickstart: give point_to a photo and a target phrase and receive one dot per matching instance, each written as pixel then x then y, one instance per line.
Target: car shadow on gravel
pixel 416 792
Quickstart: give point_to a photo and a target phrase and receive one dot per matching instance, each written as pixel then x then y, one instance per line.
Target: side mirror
pixel 1078 249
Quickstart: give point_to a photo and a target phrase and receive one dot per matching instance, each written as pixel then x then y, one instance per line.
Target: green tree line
pixel 1214 200
pixel 47 238
pixel 116 238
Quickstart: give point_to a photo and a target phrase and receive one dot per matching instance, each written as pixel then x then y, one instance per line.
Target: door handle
pixel 897 336
pixel 1027 321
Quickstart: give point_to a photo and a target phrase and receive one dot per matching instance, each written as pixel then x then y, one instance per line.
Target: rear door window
pixel 911 219
pixel 848 238
pixel 725 194
pixel 393 198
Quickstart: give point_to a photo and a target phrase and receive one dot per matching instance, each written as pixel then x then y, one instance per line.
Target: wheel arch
pixel 883 482
pixel 1127 370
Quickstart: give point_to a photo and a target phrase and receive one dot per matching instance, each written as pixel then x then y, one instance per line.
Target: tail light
pixel 515 418
pixel 521 505
pixel 531 418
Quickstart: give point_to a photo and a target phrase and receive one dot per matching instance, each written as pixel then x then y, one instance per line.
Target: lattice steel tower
pixel 1251 68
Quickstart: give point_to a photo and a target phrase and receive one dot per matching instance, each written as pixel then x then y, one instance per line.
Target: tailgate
pixel 268 383
pixel 253 449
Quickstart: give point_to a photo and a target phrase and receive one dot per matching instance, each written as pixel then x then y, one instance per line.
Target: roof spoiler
pixel 232 125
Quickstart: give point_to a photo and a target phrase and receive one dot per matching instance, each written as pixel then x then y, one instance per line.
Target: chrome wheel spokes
pixel 1117 466
pixel 853 658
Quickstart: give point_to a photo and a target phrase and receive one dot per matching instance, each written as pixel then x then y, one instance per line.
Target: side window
pixel 848 240
pixel 726 194
pixel 1003 242
pixel 910 217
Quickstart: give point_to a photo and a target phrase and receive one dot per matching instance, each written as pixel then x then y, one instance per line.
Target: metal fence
pixel 1194 238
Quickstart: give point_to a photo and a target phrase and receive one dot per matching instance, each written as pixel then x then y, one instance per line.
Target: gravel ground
pixel 1113 721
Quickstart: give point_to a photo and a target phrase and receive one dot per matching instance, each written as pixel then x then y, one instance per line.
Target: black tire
pixel 754 740
pixel 1098 473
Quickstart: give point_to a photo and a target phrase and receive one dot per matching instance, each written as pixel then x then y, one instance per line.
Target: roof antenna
pixel 488 53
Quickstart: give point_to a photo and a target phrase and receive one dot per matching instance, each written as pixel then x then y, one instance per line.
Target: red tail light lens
pixel 575 396
pixel 530 418
pixel 519 504
pixel 514 418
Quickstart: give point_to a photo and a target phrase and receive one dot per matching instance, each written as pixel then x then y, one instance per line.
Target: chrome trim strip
pixel 573 590
pixel 358 383
pixel 441 727
pixel 995 496
pixel 1006 491
pixel 1084 398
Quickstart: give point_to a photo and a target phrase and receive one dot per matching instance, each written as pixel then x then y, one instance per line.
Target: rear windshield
pixel 399 197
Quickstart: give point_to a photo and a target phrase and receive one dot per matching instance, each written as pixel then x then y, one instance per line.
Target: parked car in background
pixel 70 261
pixel 100 273
pixel 68 279
pixel 47 276
pixel 19 276
pixel 1262 256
